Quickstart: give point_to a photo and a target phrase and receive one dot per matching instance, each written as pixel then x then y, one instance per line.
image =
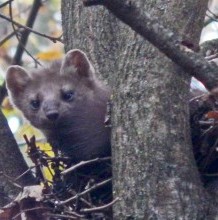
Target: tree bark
pixel 154 171
pixel 12 165
pixel 180 49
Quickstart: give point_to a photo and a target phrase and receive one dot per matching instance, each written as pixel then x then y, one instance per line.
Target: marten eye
pixel 68 96
pixel 35 104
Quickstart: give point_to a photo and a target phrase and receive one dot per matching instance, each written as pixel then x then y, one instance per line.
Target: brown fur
pixel 76 127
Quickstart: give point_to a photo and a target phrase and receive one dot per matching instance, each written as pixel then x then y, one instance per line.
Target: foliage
pixel 49 12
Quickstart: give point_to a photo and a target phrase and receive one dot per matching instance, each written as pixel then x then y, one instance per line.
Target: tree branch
pixel 83 163
pixel 165 40
pixel 25 34
pixel 109 205
pixel 211 17
pixel 85 192
pixel 12 163
pixel 53 39
pixel 5 3
pixel 9 36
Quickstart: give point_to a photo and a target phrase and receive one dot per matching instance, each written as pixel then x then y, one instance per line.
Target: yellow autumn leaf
pixel 6 105
pixel 50 55
pixel 5 46
pixel 28 130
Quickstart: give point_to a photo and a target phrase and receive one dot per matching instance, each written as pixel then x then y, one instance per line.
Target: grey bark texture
pixel 154 171
pixel 179 48
pixel 12 165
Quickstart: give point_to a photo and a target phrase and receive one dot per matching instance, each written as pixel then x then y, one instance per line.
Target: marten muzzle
pixel 51 109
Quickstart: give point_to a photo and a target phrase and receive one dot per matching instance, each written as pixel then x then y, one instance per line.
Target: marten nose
pixel 50 108
pixel 52 115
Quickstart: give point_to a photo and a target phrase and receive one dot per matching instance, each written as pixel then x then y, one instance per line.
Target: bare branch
pixel 25 34
pixel 83 163
pixel 12 163
pixel 24 173
pixel 53 39
pixel 59 216
pixel 74 214
pixel 86 191
pixel 11 180
pixel 212 17
pixel 8 37
pixel 215 16
pixel 100 208
pixel 211 57
pixel 5 3
pixel 165 40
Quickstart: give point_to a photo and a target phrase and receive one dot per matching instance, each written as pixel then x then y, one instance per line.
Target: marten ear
pixel 16 79
pixel 76 61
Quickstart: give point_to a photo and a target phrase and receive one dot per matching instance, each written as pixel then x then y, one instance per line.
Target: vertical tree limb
pixel 25 34
pixel 12 163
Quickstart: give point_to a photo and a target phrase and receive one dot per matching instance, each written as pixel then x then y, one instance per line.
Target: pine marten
pixel 66 102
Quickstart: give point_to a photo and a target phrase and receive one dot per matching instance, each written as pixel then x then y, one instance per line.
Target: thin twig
pixel 80 216
pixel 59 216
pixel 83 163
pixel 100 208
pixel 23 39
pixel 211 57
pixel 215 16
pixel 85 192
pixel 53 39
pixel 212 123
pixel 74 213
pixel 11 180
pixel 86 202
pixel 36 159
pixel 9 36
pixel 5 3
pixel 197 97
pixel 28 170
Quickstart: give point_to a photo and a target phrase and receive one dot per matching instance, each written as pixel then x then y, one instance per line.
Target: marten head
pixel 50 96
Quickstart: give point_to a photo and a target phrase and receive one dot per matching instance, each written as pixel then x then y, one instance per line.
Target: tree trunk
pixel 12 165
pixel 154 171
